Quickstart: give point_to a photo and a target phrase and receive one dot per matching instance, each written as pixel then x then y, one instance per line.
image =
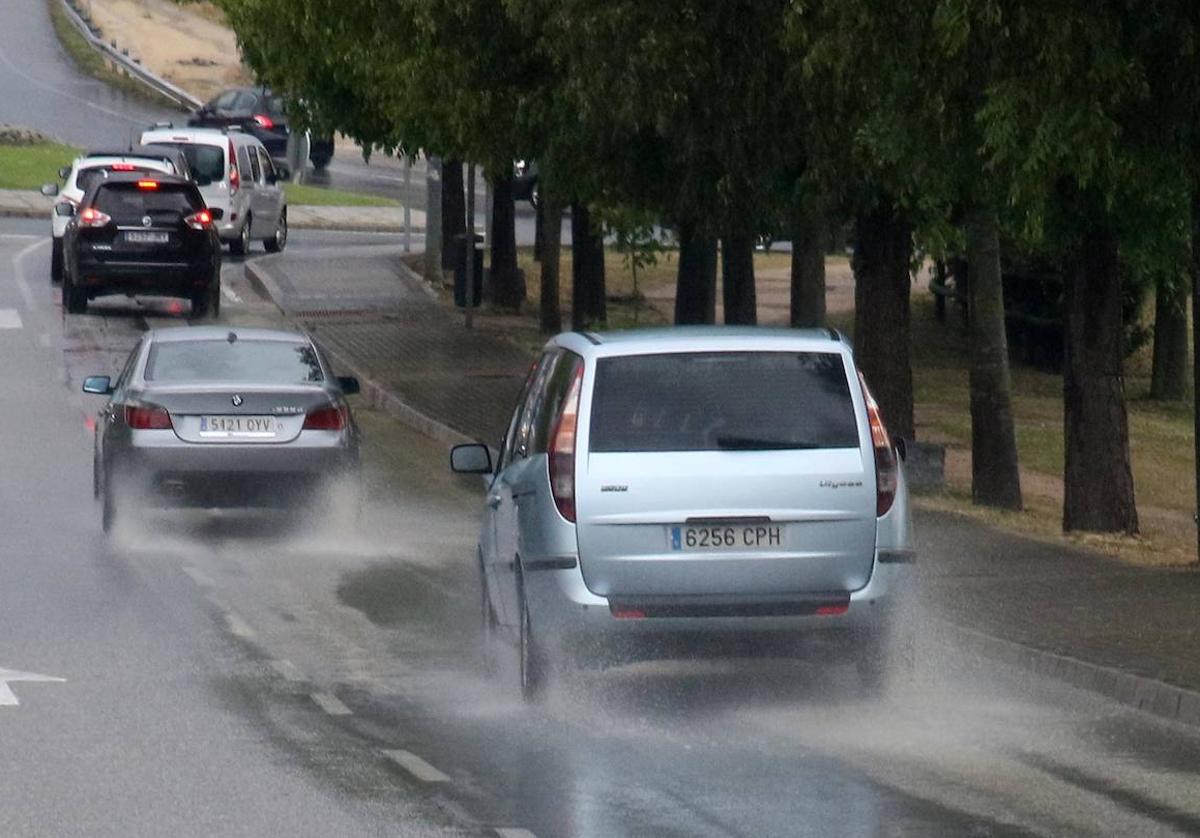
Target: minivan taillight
pixel 326 419
pixel 235 177
pixel 147 417
pixel 886 467
pixel 561 460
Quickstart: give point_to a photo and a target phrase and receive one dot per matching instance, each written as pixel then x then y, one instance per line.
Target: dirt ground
pixel 187 45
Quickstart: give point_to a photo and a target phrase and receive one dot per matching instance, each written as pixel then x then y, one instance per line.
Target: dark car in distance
pixel 140 234
pixel 260 113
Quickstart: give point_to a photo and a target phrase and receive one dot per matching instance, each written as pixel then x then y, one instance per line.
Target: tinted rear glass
pixel 236 362
pixel 87 177
pixel 207 162
pixel 711 401
pixel 129 204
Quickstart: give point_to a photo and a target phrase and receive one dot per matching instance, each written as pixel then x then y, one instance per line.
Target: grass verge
pixel 29 166
pixel 301 194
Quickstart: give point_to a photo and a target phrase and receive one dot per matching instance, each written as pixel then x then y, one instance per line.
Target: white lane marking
pixel 20 236
pixel 239 627
pixel 513 832
pixel 228 294
pixel 288 670
pixel 19 273
pixel 199 576
pixel 7 697
pixel 10 318
pixel 331 704
pixel 416 766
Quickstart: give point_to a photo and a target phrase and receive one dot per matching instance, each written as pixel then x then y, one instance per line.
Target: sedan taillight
pixel 886 467
pixel 201 220
pixel 331 418
pixel 147 417
pixel 92 217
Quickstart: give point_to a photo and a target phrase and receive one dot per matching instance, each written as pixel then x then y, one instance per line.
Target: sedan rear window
pixel 714 401
pixel 234 362
pixel 128 203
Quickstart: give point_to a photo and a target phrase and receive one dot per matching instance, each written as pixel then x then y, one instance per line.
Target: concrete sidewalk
pixel 1046 608
pixel 17 203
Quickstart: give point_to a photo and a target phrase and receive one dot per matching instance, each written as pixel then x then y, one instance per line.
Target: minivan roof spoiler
pixel 835 335
pixel 591 337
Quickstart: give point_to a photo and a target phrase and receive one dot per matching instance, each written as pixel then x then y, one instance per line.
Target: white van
pixel 235 174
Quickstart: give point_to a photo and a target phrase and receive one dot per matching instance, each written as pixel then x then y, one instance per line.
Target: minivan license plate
pixel 726 537
pixel 144 237
pixel 239 427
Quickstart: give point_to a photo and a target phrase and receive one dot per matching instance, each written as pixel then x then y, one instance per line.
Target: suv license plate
pixel 146 237
pixel 726 537
pixel 239 427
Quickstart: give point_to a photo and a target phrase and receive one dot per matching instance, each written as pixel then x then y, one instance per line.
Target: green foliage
pixel 30 166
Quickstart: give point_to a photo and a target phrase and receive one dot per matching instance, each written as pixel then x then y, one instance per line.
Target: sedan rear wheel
pixel 278 241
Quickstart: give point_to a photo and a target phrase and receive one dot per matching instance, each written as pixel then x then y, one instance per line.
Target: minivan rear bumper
pixel 563 610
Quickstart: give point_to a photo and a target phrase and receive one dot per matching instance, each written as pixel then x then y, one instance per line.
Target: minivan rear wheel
pixel 279 240
pixel 241 245
pixel 489 625
pixel 532 660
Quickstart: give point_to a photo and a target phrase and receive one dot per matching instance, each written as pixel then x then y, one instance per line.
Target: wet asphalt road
pixel 226 676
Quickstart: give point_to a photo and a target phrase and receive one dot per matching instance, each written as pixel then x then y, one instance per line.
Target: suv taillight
pixel 235 177
pixel 92 217
pixel 147 417
pixel 886 467
pixel 201 220
pixel 561 460
pixel 331 418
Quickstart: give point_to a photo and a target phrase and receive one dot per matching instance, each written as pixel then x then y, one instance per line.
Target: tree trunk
pixel 550 312
pixel 454 210
pixel 1195 266
pixel 588 304
pixel 539 233
pixel 995 479
pixel 508 284
pixel 737 281
pixel 809 237
pixel 1097 478
pixel 696 279
pixel 882 252
pixel 1168 379
pixel 433 232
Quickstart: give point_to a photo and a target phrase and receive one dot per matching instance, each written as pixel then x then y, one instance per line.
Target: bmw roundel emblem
pixel 147 221
pixel 237 401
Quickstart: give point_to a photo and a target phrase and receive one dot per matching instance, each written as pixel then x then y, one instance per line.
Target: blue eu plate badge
pixel 676 538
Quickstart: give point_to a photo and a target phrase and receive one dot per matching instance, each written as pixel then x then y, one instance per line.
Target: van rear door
pixel 725 473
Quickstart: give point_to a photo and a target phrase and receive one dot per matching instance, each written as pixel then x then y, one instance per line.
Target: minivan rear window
pixel 714 401
pixel 207 162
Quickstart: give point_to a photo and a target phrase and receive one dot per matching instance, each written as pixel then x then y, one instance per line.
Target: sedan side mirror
pixel 99 385
pixel 217 213
pixel 49 189
pixel 64 209
pixel 349 385
pixel 472 458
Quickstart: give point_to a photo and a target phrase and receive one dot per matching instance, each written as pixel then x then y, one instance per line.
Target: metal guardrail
pixel 135 70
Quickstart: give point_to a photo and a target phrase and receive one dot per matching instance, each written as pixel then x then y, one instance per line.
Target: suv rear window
pixel 234 362
pixel 207 162
pixel 127 203
pixel 90 175
pixel 717 401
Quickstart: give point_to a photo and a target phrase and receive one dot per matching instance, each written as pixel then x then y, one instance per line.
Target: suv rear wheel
pixel 207 301
pixel 56 260
pixel 74 300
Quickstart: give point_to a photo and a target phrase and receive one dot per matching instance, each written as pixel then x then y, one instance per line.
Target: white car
pixel 235 174
pixel 78 176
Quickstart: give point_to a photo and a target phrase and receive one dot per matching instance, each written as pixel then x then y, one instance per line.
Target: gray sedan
pixel 216 417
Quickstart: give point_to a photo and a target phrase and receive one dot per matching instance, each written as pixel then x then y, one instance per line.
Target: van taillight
pixel 147 417
pixel 235 177
pixel 886 467
pixel 561 460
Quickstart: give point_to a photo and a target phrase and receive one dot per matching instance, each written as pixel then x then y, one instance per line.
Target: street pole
pixel 469 319
pixel 433 220
pixel 407 203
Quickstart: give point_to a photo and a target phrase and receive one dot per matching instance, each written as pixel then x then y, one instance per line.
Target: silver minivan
pixel 236 175
pixel 692 484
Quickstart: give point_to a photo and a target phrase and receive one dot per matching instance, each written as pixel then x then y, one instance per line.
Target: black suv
pixel 259 113
pixel 142 234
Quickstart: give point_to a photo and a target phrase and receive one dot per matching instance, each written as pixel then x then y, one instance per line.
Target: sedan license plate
pixel 239 427
pixel 733 536
pixel 146 237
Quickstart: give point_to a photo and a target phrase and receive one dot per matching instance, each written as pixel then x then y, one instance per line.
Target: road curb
pixel 24 212
pixel 373 392
pixel 1148 695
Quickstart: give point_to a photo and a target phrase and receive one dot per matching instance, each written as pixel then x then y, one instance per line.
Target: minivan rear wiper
pixel 749 443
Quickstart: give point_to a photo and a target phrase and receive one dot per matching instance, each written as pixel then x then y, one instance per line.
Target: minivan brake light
pixel 886 467
pixel 561 461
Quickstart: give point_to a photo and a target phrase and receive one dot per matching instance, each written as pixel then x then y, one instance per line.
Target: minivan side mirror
pixel 49 189
pixel 349 385
pixel 217 213
pixel 99 385
pixel 472 458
